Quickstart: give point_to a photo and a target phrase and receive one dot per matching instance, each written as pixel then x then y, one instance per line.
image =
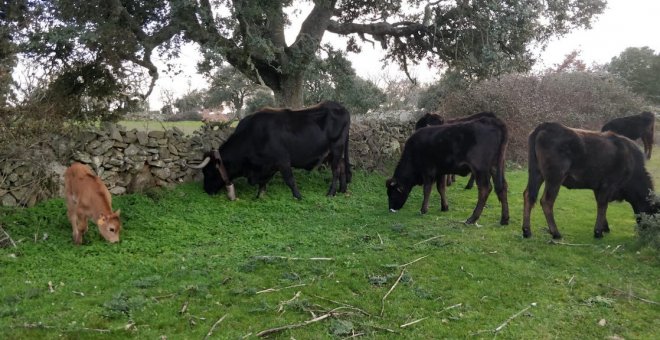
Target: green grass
pixel 144 125
pixel 187 259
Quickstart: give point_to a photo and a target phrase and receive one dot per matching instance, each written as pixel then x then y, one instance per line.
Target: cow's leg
pixel 501 191
pixel 343 180
pixel 484 187
pixel 647 140
pixel 448 180
pixel 287 175
pixel 534 181
pixel 442 190
pixel 601 215
pixel 335 162
pixel 548 202
pixel 428 185
pixel 470 182
pixel 73 218
pixel 80 229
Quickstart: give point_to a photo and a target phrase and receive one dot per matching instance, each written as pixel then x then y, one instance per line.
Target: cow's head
pixel 110 226
pixel 215 174
pixel 397 194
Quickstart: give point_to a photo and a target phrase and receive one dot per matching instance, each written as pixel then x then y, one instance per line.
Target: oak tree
pixel 481 37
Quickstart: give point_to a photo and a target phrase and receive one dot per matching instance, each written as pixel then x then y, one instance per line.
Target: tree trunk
pixel 290 93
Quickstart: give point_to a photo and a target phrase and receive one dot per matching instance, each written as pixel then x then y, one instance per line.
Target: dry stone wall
pixel 131 161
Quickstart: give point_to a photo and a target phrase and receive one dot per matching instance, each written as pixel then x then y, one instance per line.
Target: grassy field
pixel 189 265
pixel 186 126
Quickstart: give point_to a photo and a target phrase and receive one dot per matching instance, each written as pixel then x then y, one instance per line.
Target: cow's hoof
pixel 598 234
pixel 504 221
pixel 444 208
pixel 527 233
pixel 423 211
pixel 469 221
pixel 556 236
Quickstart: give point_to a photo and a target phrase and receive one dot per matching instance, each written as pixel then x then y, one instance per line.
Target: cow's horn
pixel 231 193
pixel 202 164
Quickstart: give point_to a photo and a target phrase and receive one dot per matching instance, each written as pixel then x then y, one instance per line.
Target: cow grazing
pixel 430 119
pixel 635 127
pixel 460 148
pixel 610 165
pixel 87 197
pixel 272 140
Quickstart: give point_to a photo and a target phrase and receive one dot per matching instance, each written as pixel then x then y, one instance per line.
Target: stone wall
pixel 131 161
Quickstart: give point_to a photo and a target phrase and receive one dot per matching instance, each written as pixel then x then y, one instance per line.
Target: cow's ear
pixel 118 212
pixel 390 183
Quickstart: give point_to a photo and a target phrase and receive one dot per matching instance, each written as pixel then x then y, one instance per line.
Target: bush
pixel 648 228
pixel 576 99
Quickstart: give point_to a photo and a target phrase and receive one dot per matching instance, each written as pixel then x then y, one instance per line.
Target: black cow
pixel 272 140
pixel 610 165
pixel 635 127
pixel 460 148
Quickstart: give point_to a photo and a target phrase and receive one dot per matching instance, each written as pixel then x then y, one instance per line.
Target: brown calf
pixel 87 197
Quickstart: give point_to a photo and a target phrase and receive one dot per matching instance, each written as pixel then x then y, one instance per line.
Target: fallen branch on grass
pixel 208 335
pixel 270 290
pixel 413 322
pixel 269 257
pixel 411 262
pixel 450 307
pixel 499 328
pixel 343 304
pixel 382 308
pixel 569 244
pixel 429 239
pixel 41 325
pixel 298 325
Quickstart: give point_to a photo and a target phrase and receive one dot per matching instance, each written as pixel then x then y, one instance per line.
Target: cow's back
pixel 86 191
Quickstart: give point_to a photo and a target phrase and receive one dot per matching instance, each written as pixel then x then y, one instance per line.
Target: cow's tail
pixel 347 163
pixel 534 173
pixel 499 172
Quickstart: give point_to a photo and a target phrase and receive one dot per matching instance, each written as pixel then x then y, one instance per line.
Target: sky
pixel 624 23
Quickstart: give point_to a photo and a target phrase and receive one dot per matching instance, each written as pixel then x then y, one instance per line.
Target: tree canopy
pixel 481 37
pixel 640 69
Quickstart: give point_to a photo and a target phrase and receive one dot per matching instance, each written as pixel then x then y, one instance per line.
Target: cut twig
pixel 412 322
pixel 380 238
pixel 184 308
pixel 297 325
pixel 284 303
pixel 354 335
pixel 428 239
pixel 270 290
pixel 382 309
pixel 450 307
pixel 269 257
pixel 499 328
pixel 343 304
pixel 214 326
pixel 411 262
pixel 569 244
pixel 617 248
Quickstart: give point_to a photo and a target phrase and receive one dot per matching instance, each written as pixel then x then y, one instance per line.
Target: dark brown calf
pixel 610 165
pixel 460 148
pixel 635 127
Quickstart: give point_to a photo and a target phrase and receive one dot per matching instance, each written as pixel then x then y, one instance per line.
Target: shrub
pixel 648 228
pixel 576 99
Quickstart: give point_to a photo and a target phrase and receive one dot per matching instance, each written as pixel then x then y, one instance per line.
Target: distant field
pixel 186 126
